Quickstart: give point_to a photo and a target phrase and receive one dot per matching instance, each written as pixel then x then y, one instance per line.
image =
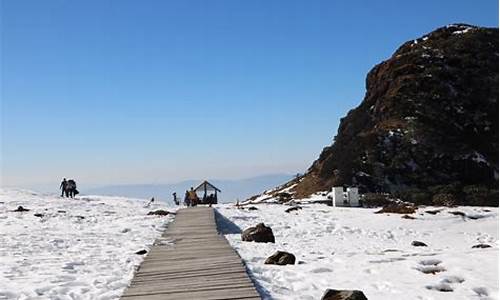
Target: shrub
pixel 375 199
pixel 480 195
pixel 284 197
pixel 416 196
pixel 452 188
pixel 398 208
pixel 444 199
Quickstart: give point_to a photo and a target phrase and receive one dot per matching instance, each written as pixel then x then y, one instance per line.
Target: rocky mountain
pixel 427 129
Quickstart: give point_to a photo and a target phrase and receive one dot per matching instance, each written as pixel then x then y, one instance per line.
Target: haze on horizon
pixel 111 92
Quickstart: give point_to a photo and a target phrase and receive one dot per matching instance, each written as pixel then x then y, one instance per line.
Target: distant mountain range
pixel 231 189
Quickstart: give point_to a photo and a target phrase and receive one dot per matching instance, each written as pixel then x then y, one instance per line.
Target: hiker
pixel 186 199
pixel 71 190
pixel 63 187
pixel 193 198
pixel 211 199
pixel 176 202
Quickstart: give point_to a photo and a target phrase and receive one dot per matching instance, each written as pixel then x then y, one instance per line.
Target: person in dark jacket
pixel 174 194
pixel 63 186
pixel 71 189
pixel 186 199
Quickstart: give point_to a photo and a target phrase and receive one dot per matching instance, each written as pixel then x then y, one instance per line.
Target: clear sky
pixel 160 91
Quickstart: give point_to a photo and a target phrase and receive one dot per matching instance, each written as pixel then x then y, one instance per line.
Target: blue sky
pixel 160 91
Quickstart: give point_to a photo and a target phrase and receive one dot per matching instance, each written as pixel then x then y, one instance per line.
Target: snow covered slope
pixel 74 249
pixel 353 248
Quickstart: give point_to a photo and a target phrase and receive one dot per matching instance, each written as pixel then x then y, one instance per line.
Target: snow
pixel 79 249
pixel 353 248
pixel 463 31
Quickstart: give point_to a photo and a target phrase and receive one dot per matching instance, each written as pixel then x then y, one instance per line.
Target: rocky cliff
pixel 428 123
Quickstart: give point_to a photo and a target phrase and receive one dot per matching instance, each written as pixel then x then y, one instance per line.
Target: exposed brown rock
pixel 260 234
pixel 331 294
pixel 280 258
pixel 429 119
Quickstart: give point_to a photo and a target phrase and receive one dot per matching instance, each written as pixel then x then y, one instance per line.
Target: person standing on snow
pixel 63 187
pixel 71 190
pixel 186 199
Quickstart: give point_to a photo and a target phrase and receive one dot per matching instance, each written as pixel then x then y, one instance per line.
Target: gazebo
pixel 209 192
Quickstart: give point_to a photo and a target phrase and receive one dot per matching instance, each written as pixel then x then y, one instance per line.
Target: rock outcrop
pixel 427 129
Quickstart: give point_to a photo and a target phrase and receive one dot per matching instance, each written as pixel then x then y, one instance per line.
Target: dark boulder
pixel 481 246
pixel 141 252
pixel 252 208
pixel 343 295
pixel 159 212
pixel 260 234
pixel 280 258
pixel 20 209
pixel 418 244
pixel 39 215
pixel 295 208
pixel 408 217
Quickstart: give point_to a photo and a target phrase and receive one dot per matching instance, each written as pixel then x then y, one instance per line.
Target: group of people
pixel 68 188
pixel 191 198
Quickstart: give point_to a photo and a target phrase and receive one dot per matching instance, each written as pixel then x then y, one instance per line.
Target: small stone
pixel 408 217
pixel 252 208
pixel 481 246
pixel 38 215
pixel 141 252
pixel 159 212
pixel 293 209
pixel 418 244
pixel 21 209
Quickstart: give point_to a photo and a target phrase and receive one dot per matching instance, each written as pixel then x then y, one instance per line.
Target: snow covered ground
pixel 76 249
pixel 353 248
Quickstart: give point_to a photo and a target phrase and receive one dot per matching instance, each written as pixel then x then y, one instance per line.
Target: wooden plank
pixel 198 263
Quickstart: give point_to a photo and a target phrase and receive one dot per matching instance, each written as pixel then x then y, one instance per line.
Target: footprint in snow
pixel 445 284
pixel 431 269
pixel 481 291
pixel 430 266
pixel 430 262
pixel 452 279
pixel 321 270
pixel 388 260
pixel 440 287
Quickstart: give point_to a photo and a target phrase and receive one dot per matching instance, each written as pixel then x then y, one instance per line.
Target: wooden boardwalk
pixel 200 264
